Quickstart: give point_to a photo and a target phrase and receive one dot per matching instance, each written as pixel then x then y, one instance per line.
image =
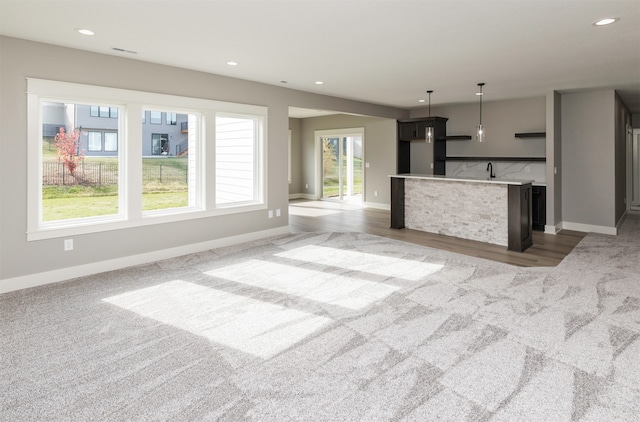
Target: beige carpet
pixel 332 327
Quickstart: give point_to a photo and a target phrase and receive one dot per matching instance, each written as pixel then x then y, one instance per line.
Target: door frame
pixel 318 135
pixel 633 165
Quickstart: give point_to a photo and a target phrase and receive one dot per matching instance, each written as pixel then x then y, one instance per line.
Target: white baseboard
pixel 377 205
pixel 302 196
pixel 39 279
pixel 552 229
pixel 589 228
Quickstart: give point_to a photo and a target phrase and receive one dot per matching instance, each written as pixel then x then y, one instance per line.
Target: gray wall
pixel 554 160
pixel 295 126
pixel 501 119
pixel 20 59
pixel 379 151
pixel 588 158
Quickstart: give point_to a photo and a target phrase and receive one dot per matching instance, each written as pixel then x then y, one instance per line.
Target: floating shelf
pixel 531 135
pixel 457 137
pixel 496 159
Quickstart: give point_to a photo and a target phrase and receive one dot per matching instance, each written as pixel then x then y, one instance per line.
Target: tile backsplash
pixel 534 170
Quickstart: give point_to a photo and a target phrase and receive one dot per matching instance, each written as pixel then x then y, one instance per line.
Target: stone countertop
pixel 462 179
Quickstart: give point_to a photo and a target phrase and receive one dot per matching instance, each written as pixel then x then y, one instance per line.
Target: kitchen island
pixel 496 211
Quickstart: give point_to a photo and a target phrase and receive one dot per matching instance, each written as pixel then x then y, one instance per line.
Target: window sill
pixel 118 223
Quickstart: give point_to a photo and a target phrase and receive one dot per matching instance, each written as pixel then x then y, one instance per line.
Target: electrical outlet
pixel 366 165
pixel 431 165
pixel 555 170
pixel 527 169
pixel 270 213
pixel 306 186
pixel 68 245
pixel 278 212
pixel 375 193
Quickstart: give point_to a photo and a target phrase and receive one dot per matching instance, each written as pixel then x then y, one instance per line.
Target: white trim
pixel 318 134
pixel 289 158
pixel 377 205
pixel 302 196
pixel 105 224
pixel 548 229
pixel 40 279
pixel 89 93
pixel 589 228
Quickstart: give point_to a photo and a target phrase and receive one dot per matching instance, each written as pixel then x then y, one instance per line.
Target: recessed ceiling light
pixel 85 31
pixel 605 21
pixel 421 101
pixel 319 82
pixel 284 82
pixel 232 63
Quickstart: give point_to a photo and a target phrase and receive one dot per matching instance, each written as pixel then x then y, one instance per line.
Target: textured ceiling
pixel 383 52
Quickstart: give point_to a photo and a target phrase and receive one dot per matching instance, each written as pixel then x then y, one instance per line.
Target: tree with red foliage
pixel 66 144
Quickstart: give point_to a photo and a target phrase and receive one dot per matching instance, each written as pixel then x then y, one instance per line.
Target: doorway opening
pixel 341 163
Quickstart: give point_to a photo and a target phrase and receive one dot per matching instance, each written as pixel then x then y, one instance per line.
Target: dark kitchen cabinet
pixel 415 130
pixel 539 207
pixel 397 203
pixel 520 218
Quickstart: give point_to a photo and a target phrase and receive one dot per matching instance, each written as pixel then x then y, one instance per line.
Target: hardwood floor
pixel 321 216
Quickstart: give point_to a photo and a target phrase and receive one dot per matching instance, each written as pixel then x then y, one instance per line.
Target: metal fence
pixel 55 173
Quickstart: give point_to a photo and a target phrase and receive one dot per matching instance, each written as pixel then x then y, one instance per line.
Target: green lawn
pixel 78 201
pixel 91 206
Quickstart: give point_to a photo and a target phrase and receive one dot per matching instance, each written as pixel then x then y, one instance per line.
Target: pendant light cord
pixel 481 84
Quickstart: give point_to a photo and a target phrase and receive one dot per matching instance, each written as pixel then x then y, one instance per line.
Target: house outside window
pixel 101 142
pixel 94 141
pixel 110 141
pixel 156 118
pixel 159 144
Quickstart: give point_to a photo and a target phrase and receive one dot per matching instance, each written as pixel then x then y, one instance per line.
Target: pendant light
pixel 429 130
pixel 480 127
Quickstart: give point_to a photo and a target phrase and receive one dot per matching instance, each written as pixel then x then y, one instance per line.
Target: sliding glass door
pixel 342 166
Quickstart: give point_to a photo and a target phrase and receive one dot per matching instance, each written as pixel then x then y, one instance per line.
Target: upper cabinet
pixel 416 129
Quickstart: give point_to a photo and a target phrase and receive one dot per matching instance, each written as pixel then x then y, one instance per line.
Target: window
pixel 169 180
pixel 159 144
pixel 237 160
pixel 74 184
pixel 156 118
pixel 91 192
pixel 101 141
pixel 101 111
pixel 171 118
pixel 94 141
pixel 110 141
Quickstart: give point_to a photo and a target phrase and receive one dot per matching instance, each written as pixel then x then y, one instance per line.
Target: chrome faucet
pixel 490 170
